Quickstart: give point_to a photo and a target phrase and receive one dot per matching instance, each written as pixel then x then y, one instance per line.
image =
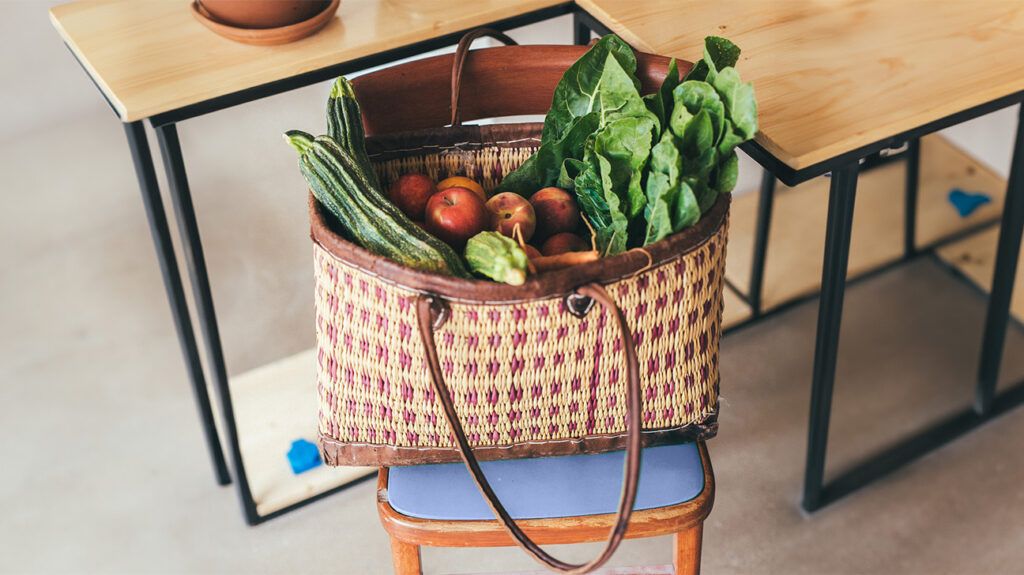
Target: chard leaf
pixel 685 210
pixel 544 166
pixel 702 165
pixel 739 102
pixel 697 96
pixel 662 187
pixel 705 194
pixel 727 173
pixel 577 92
pixel 626 144
pixel 729 140
pixel 660 102
pixel 699 135
pixel 611 239
pixel 719 53
pixel 679 119
pixel 589 190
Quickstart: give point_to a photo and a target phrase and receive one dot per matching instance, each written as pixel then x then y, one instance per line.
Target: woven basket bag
pixel 419 368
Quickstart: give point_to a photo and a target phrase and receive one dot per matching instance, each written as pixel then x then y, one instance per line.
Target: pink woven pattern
pixel 526 372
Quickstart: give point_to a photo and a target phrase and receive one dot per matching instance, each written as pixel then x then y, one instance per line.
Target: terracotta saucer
pixel 267 36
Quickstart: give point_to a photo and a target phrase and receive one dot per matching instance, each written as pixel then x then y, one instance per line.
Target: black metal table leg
pixel 157 219
pixel 913 171
pixel 580 31
pixel 765 203
pixel 181 197
pixel 1005 273
pixel 842 193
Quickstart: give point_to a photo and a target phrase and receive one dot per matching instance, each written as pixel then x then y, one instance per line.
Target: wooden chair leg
pixel 406 557
pixel 687 550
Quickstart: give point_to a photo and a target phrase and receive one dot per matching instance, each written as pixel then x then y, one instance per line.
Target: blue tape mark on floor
pixel 967 202
pixel 303 456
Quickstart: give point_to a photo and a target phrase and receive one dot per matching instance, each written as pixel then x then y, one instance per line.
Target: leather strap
pixel 461 52
pixel 426 306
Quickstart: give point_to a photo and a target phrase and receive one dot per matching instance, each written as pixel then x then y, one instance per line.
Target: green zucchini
pixel 345 125
pixel 495 256
pixel 340 184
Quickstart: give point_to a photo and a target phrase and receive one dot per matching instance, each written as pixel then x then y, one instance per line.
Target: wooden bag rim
pixel 551 284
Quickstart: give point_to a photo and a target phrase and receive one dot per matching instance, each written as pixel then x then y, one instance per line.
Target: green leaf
pixel 729 140
pixel 685 210
pixel 719 53
pixel 495 256
pixel 660 102
pixel 699 135
pixel 679 119
pixel 626 144
pixel 662 187
pixel 705 194
pixel 727 173
pixel 697 96
pixel 590 194
pixel 577 92
pixel 741 106
pixel 611 240
pixel 544 167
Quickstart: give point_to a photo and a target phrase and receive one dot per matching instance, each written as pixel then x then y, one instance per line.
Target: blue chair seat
pixel 547 487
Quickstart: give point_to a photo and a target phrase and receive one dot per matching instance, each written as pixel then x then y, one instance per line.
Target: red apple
pixel 455 215
pixel 410 193
pixel 509 210
pixel 556 211
pixel 563 243
pixel 531 252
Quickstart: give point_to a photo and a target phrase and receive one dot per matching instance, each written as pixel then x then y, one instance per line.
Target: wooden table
pixel 155 63
pixel 843 82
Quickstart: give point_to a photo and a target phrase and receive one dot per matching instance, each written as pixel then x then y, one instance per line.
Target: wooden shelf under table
pixel 274 405
pixel 796 239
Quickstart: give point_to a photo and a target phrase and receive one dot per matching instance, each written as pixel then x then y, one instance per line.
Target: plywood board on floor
pixel 275 405
pixel 797 234
pixel 975 257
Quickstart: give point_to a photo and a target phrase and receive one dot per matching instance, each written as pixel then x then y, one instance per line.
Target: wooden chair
pixel 556 500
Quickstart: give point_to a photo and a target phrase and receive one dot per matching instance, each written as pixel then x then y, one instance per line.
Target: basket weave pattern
pixel 518 372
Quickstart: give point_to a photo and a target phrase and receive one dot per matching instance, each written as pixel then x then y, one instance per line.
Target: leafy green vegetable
pixel 543 168
pixel 718 52
pixel 660 102
pixel 495 256
pixel 739 101
pixel 577 93
pixel 686 210
pixel 662 187
pixel 642 167
pixel 626 144
pixel 611 240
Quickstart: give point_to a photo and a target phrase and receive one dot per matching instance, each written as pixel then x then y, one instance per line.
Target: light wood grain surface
pixel 834 75
pixel 153 57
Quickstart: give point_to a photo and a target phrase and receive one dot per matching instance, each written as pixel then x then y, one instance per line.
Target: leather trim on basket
pixel 337 453
pixel 549 284
pixel 467 137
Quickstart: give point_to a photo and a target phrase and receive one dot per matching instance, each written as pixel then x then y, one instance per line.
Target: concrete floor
pixel 105 466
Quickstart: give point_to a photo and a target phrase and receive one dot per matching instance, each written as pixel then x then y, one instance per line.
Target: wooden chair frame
pixel 685 521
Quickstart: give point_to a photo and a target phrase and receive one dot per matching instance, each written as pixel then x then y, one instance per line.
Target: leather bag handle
pixel 461 52
pixel 425 307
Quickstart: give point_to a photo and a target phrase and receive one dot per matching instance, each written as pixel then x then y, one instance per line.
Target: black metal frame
pixel 844 169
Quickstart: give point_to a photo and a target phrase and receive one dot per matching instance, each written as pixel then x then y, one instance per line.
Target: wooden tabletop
pixel 154 57
pixel 832 76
